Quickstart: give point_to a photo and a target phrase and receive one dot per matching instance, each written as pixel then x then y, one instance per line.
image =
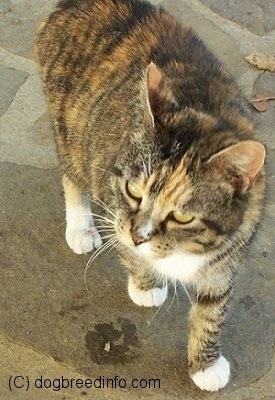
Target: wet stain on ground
pixel 107 344
pixel 71 308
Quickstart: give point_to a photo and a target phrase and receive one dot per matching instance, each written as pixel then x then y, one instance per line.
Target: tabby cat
pixel 150 125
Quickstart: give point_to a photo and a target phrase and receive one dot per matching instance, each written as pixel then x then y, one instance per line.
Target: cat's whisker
pixel 108 231
pixel 105 228
pixel 156 313
pixel 110 243
pixel 98 226
pixel 97 252
pixel 107 225
pixel 164 284
pixel 99 218
pixel 112 240
pixel 187 293
pixel 104 206
pixel 95 231
pixel 88 214
pixel 175 295
pixel 103 218
pixel 111 248
pixel 108 236
pixel 103 170
pixel 175 284
pixel 105 232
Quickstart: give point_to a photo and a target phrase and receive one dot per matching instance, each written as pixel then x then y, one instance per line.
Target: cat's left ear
pixel 242 161
pixel 159 95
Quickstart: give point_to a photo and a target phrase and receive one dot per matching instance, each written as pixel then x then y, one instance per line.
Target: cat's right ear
pixel 159 96
pixel 243 161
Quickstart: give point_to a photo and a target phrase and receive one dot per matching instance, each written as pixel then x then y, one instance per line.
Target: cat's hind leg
pixel 81 233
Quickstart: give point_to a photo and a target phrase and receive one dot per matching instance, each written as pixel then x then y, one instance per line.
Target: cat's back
pixel 92 34
pixel 98 25
pixel 93 55
pixel 95 50
pixel 107 37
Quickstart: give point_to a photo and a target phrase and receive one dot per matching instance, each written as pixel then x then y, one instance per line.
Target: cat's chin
pixel 144 250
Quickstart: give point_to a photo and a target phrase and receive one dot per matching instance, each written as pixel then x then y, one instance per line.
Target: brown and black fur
pixel 93 57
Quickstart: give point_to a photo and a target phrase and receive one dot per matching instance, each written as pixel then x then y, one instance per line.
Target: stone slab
pixel 18 23
pixel 10 81
pixel 44 303
pixel 51 324
pixel 255 15
pixel 219 42
pixel 20 125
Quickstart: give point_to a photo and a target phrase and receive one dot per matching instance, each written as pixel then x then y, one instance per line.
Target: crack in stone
pixel 14 97
pixel 19 63
pixel 261 73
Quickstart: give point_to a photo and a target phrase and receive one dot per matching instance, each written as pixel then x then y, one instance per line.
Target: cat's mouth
pixel 143 249
pixel 139 248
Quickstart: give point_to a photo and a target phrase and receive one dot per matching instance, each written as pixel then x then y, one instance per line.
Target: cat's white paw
pixel 214 377
pixel 147 298
pixel 83 241
pixel 81 234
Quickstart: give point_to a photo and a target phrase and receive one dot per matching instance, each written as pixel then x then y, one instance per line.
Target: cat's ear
pixel 159 96
pixel 242 161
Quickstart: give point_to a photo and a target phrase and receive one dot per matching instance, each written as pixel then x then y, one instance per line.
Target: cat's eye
pixel 133 190
pixel 182 217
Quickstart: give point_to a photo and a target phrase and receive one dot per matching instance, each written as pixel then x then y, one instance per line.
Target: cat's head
pixel 184 184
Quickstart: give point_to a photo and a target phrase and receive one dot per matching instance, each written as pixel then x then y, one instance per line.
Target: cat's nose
pixel 141 232
pixel 137 239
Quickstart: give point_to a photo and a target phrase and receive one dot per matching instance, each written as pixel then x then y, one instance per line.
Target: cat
pixel 151 126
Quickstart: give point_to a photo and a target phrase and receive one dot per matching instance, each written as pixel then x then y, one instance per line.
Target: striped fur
pixel 136 97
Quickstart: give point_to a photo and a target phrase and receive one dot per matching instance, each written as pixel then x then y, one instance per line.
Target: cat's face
pixel 168 211
pixel 182 205
pixel 182 185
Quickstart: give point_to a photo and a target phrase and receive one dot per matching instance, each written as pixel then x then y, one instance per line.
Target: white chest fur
pixel 178 266
pixel 182 267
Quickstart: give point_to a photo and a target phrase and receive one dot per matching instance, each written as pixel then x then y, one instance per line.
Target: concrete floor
pixel 49 325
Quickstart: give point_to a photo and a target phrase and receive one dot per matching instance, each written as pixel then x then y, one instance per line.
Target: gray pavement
pixel 49 325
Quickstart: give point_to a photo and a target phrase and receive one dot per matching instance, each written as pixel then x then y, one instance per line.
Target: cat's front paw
pixel 214 377
pixel 83 241
pixel 147 298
